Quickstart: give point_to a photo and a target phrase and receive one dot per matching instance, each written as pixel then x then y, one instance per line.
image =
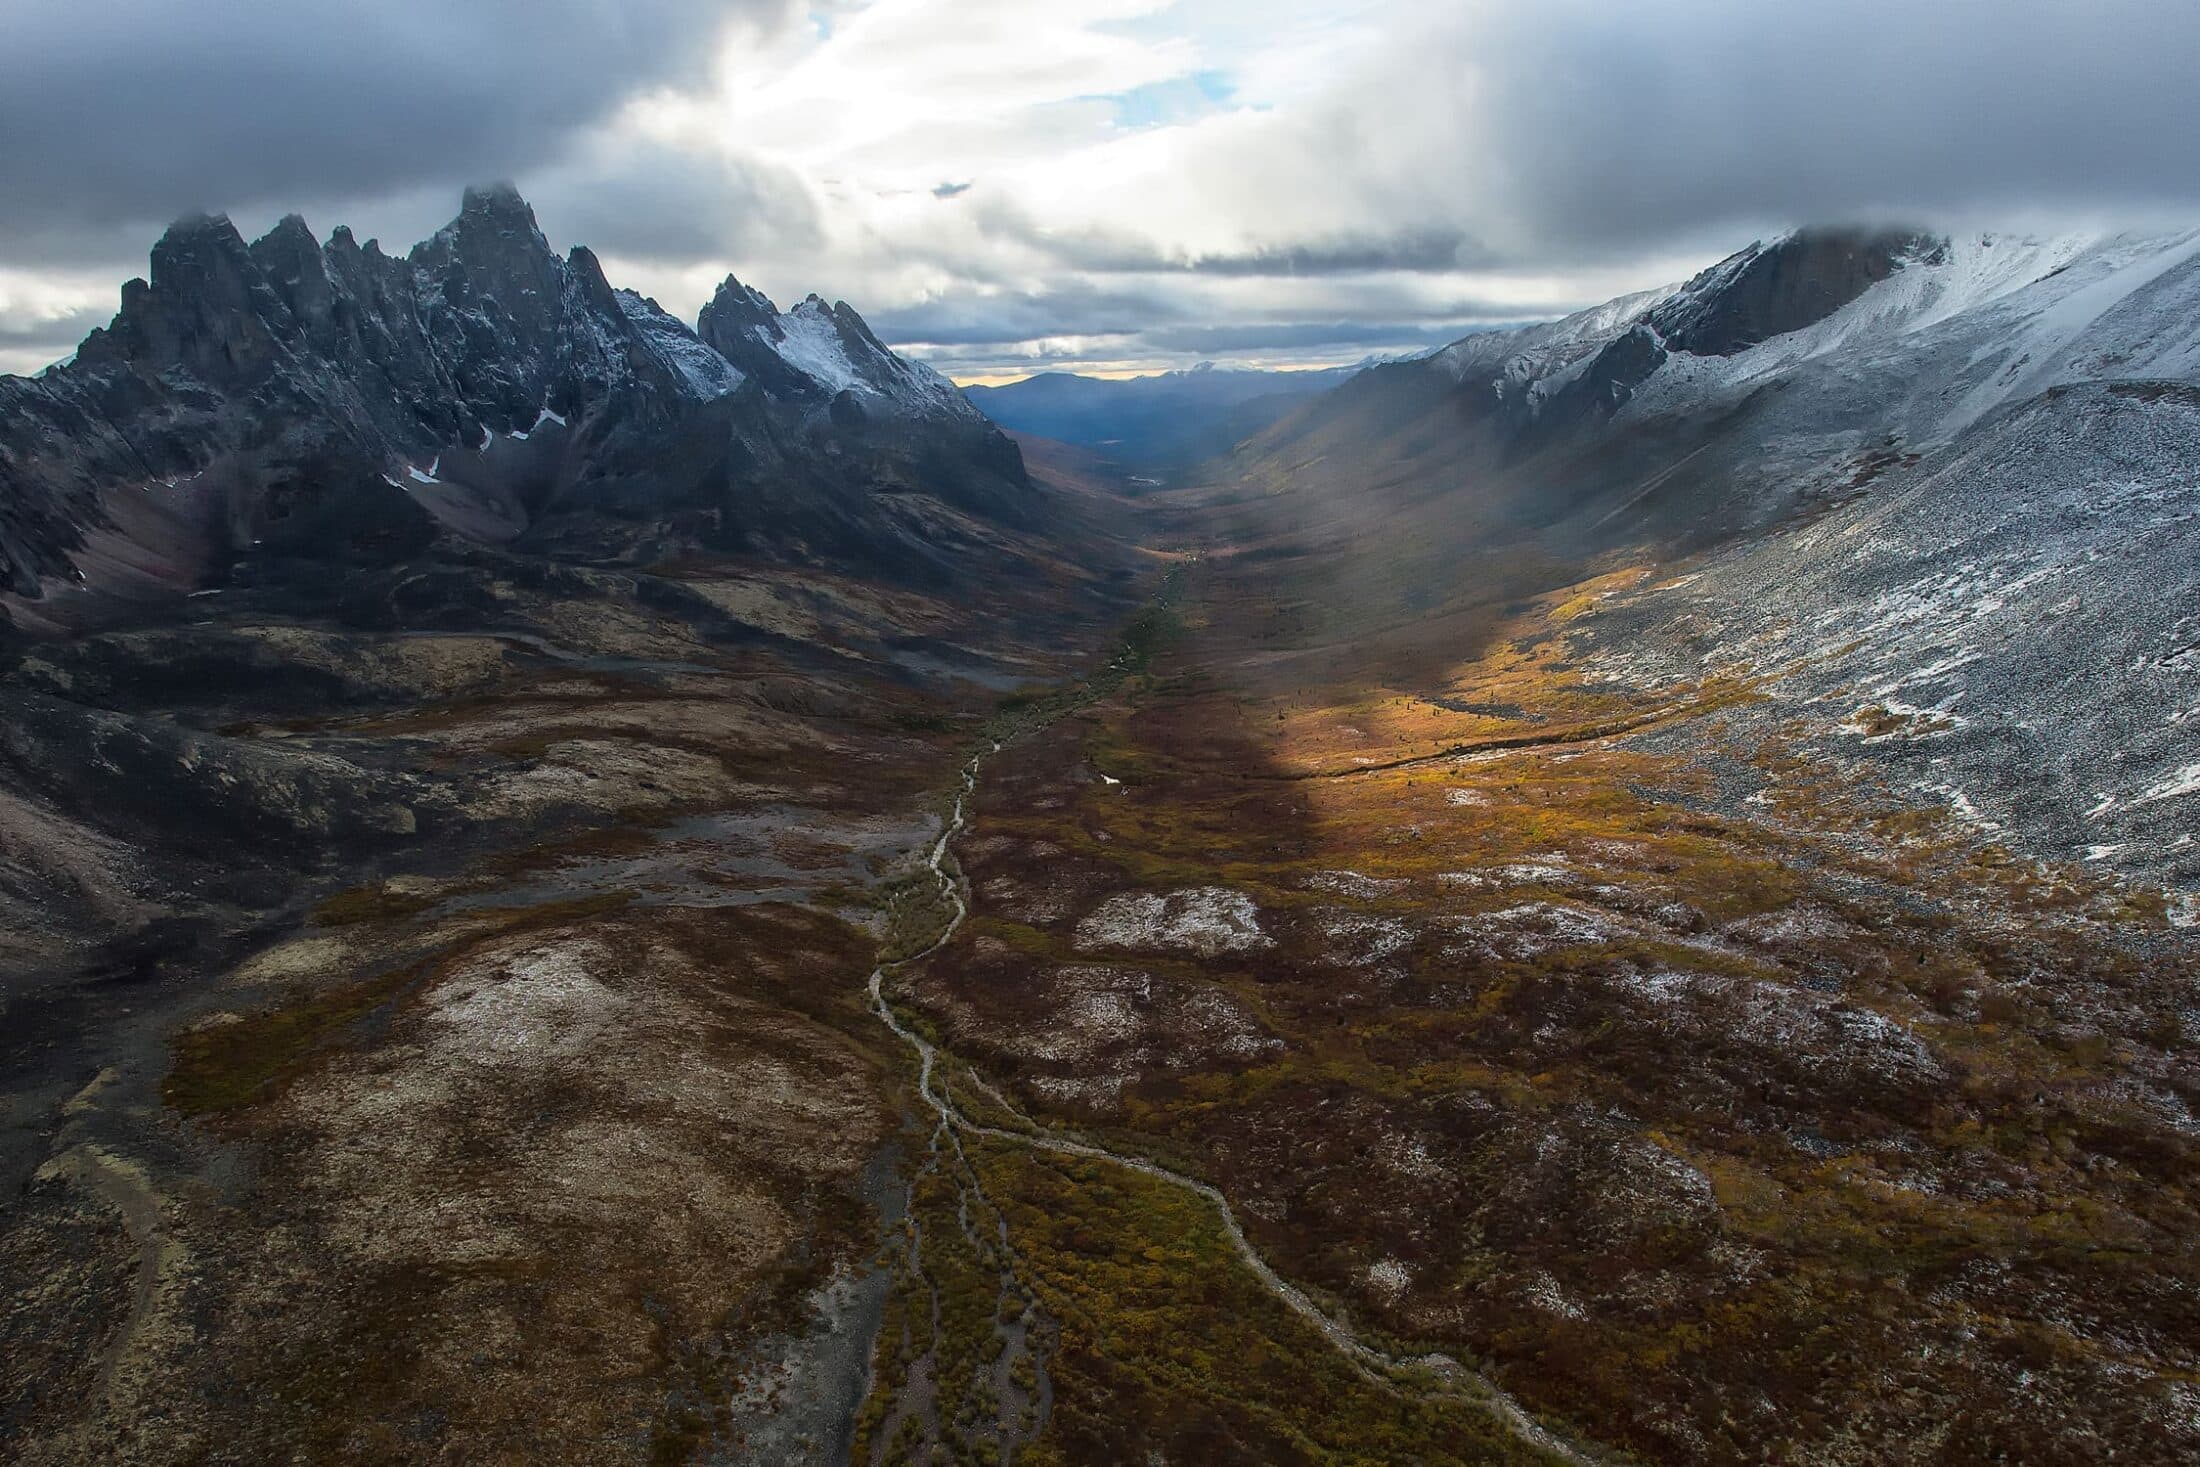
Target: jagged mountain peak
pixel 821 350
pixel 735 306
pixel 290 230
pixel 499 207
pixel 494 224
pixel 196 225
pixel 501 195
pixel 587 273
pixel 195 251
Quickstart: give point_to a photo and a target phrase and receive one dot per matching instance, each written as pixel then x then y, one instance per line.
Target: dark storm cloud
pixel 1307 336
pixel 1586 129
pixel 132 111
pixel 53 335
pixel 645 201
pixel 1408 249
pixel 1071 308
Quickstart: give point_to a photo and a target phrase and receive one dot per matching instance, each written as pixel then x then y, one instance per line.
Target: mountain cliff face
pixel 290 400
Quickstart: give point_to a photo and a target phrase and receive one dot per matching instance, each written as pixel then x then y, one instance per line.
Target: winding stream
pixel 1452 1378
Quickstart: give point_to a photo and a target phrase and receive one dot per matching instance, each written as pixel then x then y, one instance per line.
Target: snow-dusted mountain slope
pixel 1944 494
pixel 817 352
pixel 2007 623
pixel 1976 324
pixel 2011 630
pixel 706 373
pixel 1891 333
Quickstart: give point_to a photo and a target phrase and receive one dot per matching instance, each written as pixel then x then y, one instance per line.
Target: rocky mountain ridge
pixel 292 399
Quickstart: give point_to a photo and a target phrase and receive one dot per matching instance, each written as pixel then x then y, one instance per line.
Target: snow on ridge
pixel 707 374
pixel 812 345
pixel 813 342
pixel 2008 315
pixel 2042 350
pixel 2033 306
pixel 1529 352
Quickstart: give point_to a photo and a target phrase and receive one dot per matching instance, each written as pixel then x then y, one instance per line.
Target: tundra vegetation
pixel 1718 1103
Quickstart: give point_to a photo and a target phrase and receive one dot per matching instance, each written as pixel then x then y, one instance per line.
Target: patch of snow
pixel 2185 781
pixel 812 346
pixel 1208 920
pixel 1390 1277
pixel 1526 931
pixel 1354 884
pixel 1096 1092
pixel 1544 1293
pixel 1357 939
pixel 1518 873
pixel 1961 805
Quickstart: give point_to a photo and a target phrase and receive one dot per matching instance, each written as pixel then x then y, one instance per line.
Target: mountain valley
pixel 579 889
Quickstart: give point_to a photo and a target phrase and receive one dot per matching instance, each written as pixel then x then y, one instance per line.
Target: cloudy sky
pixel 1003 185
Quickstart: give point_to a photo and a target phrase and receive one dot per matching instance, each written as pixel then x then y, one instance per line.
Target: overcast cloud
pixel 1120 183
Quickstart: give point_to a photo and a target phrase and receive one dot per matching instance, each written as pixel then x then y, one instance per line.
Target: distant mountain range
pixel 1165 422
